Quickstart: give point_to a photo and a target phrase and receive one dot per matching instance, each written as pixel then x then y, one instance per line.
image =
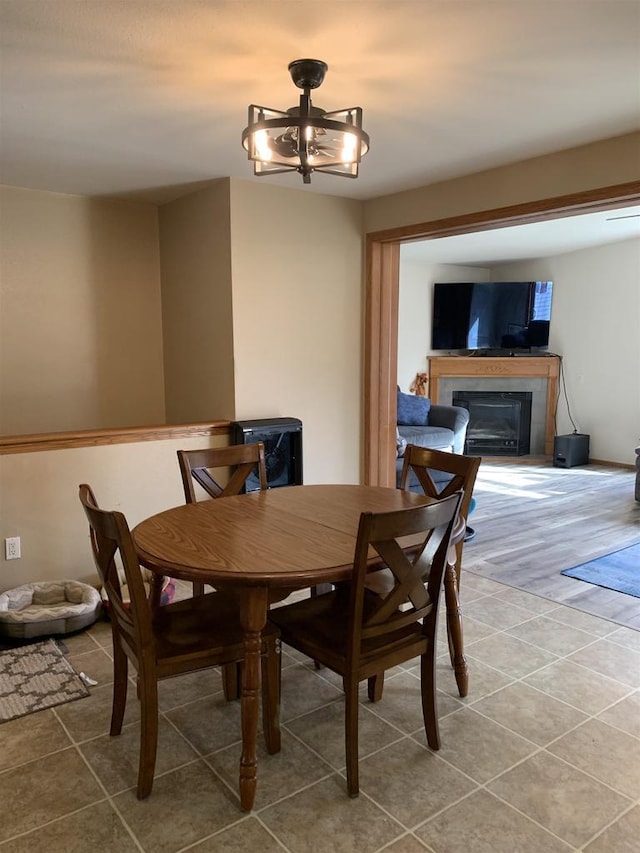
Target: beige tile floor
pixel 543 755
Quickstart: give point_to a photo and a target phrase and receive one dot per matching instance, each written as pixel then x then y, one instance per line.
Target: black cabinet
pixel 282 439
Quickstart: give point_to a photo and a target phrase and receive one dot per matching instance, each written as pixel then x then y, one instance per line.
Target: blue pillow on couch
pixel 413 410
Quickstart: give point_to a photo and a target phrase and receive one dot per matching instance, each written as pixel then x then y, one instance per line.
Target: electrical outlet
pixel 12 548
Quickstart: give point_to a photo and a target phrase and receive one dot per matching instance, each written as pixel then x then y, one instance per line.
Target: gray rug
pixel 35 677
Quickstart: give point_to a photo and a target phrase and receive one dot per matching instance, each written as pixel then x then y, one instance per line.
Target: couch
pixel 430 425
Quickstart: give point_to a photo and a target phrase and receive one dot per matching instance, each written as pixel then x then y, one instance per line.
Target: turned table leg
pixel 454 624
pixel 253 617
pixel 155 591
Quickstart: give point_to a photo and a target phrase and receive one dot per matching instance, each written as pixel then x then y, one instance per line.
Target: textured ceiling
pixel 149 97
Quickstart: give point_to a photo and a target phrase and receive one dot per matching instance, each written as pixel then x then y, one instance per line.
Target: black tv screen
pixel 505 315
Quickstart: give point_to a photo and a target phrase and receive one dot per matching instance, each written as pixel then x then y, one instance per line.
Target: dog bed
pixel 46 608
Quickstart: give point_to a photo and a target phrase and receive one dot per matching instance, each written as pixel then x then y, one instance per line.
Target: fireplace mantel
pixel 523 367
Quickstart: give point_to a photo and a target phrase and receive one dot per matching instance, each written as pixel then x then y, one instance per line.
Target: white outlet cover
pixel 12 548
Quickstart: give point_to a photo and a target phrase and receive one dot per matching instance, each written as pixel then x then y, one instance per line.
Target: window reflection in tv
pixel 503 315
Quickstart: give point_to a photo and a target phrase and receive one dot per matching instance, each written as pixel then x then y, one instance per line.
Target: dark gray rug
pixel 619 570
pixel 35 677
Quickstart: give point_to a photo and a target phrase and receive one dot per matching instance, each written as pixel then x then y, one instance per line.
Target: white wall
pixel 595 327
pixel 415 310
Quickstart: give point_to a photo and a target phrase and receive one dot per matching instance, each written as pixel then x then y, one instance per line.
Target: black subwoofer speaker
pixel 282 439
pixel 571 450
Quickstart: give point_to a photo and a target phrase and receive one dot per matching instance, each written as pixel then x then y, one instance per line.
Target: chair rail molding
pixel 95 437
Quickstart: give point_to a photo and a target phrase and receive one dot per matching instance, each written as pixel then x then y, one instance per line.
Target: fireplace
pixel 538 375
pixel 499 422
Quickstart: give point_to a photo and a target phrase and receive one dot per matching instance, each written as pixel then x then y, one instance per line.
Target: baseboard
pixel 541 460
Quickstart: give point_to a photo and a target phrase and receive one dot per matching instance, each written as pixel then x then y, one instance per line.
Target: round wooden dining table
pixel 262 544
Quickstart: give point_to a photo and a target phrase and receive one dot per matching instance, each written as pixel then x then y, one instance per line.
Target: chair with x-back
pixel 358 633
pixel 238 461
pixel 235 463
pixel 463 471
pixel 171 640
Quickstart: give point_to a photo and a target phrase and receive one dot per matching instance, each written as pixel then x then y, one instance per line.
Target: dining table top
pixel 294 535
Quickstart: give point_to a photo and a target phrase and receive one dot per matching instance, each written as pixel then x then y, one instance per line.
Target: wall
pixel 80 326
pixel 596 305
pixel 294 319
pixel 594 326
pixel 297 312
pixel 195 255
pixel 601 164
pixel 297 318
pixel 39 501
pixel 415 308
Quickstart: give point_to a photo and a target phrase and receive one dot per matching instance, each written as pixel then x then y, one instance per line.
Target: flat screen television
pixel 493 315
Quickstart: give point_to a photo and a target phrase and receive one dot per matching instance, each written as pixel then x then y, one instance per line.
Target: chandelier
pixel 305 138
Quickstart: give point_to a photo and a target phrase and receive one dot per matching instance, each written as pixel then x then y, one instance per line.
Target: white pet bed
pixel 46 608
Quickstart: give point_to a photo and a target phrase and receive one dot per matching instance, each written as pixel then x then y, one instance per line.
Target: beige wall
pixel 601 164
pixel 39 501
pixel 297 316
pixel 297 308
pixel 195 257
pixel 80 327
pixel 262 306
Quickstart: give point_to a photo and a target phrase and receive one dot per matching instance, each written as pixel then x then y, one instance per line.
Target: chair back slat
pixel 408 583
pixel 417 575
pixel 204 478
pixel 241 459
pixel 422 462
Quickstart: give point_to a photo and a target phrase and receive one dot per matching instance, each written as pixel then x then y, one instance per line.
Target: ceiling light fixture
pixel 305 138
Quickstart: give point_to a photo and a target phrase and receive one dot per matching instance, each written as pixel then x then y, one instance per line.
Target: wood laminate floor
pixel 534 520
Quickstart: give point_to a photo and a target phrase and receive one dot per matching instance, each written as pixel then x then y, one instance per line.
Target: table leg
pixel 454 624
pixel 253 617
pixel 155 593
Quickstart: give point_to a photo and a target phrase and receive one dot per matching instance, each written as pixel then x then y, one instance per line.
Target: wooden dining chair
pixel 358 633
pixel 167 641
pixel 242 460
pixel 238 462
pixel 463 471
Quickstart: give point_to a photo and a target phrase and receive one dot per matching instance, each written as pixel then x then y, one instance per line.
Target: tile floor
pixel 543 755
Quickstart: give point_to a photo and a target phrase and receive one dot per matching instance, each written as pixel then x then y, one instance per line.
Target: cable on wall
pixel 566 399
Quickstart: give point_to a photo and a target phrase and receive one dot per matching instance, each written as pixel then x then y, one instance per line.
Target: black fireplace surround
pixel 499 422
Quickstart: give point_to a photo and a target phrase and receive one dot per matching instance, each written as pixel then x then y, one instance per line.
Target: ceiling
pixel 148 98
pixel 525 242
